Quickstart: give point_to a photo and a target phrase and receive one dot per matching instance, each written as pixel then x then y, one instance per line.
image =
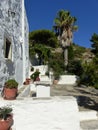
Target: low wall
pixel 64 79
pixel 88 115
pixel 68 79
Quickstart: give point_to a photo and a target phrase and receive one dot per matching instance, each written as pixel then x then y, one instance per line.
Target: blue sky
pixel 41 14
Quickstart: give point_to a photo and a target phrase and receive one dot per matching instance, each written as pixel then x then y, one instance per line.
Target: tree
pixel 90 74
pixel 64 27
pixel 40 43
pixel 94 45
pixel 45 37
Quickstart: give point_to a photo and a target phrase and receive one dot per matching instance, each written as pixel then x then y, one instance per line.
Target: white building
pixel 14 53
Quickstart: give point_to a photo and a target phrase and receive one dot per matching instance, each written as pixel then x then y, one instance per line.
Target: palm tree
pixel 64 27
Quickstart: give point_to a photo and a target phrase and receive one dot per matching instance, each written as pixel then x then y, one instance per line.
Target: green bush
pixel 47 73
pixel 75 67
pixel 90 75
pixel 57 64
pixel 11 83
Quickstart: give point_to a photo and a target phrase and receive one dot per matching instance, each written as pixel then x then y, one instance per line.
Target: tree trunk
pixel 66 56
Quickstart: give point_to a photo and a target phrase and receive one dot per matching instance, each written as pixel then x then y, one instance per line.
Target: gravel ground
pixel 87 97
pixel 89 125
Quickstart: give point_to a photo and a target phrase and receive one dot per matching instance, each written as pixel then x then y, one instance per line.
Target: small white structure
pixel 42 89
pixel 68 79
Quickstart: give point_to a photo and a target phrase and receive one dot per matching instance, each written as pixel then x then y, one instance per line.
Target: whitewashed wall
pixel 12 29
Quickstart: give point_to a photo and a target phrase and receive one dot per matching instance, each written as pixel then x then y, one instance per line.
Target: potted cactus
pixel 10 89
pixel 6 118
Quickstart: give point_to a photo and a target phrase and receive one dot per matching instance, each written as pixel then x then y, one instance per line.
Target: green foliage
pixel 94 45
pixel 64 20
pixel 42 51
pixel 87 71
pixel 57 65
pixel 11 83
pixel 64 25
pixel 35 75
pixel 44 37
pixel 75 67
pixel 90 75
pixel 47 73
pixel 41 42
pixel 5 112
pixel 71 53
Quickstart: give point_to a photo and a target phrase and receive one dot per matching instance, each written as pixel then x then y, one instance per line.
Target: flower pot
pixel 28 80
pixel 6 124
pixel 37 79
pixel 55 81
pixel 10 94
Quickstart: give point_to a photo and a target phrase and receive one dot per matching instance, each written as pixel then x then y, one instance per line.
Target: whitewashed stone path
pixel 57 113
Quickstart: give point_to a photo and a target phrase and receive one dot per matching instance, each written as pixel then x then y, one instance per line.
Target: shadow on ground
pixel 87 98
pixel 87 102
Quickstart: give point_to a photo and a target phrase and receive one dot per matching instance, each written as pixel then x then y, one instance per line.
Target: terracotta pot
pixel 6 124
pixel 28 80
pixel 26 83
pixel 55 81
pixel 10 94
pixel 37 79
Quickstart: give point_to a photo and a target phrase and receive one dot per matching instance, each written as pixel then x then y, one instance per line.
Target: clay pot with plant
pixel 10 89
pixel 27 81
pixel 6 118
pixel 56 78
pixel 57 65
pixel 35 76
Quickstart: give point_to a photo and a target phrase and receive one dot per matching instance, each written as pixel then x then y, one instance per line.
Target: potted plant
pixel 35 76
pixel 10 89
pixel 56 77
pixel 6 118
pixel 27 81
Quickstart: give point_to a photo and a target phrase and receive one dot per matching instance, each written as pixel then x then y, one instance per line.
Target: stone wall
pixel 11 24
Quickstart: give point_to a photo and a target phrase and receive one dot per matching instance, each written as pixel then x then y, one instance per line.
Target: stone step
pixel 89 125
pixel 88 115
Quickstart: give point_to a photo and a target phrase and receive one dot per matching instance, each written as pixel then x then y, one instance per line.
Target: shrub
pixel 56 63
pixel 90 75
pixel 75 67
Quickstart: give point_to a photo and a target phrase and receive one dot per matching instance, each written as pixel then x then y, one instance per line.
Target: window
pixel 8 49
